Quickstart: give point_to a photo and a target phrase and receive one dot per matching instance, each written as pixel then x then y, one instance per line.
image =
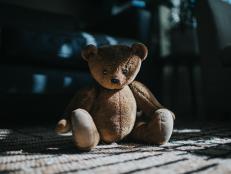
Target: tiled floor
pixel 40 150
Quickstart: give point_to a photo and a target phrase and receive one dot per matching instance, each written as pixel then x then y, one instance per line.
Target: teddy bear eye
pixel 104 72
pixel 125 71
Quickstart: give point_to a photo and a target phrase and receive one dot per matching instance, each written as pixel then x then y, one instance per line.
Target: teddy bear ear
pixel 89 51
pixel 140 50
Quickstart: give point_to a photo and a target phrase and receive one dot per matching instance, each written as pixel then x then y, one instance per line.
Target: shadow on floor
pixel 212 142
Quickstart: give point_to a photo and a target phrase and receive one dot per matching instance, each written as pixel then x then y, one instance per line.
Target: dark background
pixel 188 67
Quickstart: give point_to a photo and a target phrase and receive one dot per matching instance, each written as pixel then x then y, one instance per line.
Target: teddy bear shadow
pixel 47 142
pixel 24 141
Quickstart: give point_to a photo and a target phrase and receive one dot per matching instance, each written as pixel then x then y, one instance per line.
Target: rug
pixel 40 150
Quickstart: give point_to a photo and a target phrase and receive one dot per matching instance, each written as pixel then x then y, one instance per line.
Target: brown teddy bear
pixel 108 111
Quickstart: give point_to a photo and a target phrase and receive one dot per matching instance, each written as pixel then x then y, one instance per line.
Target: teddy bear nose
pixel 115 81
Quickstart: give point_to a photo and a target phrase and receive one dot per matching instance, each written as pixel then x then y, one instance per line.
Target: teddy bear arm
pixel 145 100
pixel 83 99
pixel 158 128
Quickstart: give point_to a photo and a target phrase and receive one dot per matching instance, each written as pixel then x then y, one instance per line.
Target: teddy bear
pixel 108 110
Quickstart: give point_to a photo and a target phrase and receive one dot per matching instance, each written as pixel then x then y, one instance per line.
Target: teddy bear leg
pixel 84 131
pixel 157 131
pixel 63 126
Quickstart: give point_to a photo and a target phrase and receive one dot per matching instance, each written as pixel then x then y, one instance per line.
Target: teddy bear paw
pixel 162 126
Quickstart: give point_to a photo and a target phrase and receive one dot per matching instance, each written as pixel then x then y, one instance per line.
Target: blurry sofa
pixel 40 63
pixel 40 71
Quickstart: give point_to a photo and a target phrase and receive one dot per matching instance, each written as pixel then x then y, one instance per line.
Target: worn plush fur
pixel 108 111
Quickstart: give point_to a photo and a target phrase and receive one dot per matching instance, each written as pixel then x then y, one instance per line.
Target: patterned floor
pixel 40 150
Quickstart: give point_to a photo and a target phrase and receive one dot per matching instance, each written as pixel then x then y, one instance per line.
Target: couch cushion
pixel 35 93
pixel 51 48
pixel 36 80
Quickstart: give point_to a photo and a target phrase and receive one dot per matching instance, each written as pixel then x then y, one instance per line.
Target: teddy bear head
pixel 114 67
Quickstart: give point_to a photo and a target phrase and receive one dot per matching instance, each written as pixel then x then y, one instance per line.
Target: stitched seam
pixel 120 115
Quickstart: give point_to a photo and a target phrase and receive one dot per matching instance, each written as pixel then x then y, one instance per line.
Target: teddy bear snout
pixel 115 81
